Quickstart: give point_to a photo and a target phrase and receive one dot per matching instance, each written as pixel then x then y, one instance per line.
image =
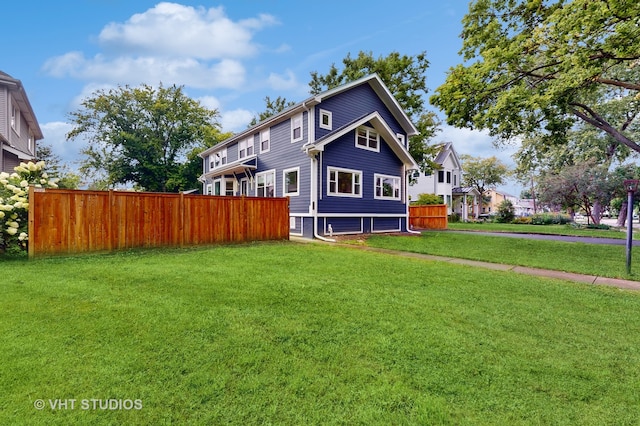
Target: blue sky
pixel 228 55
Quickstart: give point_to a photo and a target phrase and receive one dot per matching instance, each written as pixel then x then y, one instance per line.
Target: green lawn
pixel 591 259
pixel 539 229
pixel 286 333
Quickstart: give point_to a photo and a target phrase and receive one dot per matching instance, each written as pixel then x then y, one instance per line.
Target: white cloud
pixel 476 143
pixel 236 120
pixel 177 30
pixel 280 82
pixel 55 136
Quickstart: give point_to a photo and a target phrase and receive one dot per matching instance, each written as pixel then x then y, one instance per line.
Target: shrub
pixel 454 218
pixel 428 199
pixel 14 204
pixel 522 220
pixel 550 219
pixel 505 212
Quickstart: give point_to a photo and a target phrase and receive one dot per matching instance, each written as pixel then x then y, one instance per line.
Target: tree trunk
pixel 622 215
pixel 596 213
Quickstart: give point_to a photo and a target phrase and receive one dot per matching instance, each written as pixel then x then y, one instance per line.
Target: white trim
pixel 284 182
pixel 298 234
pixel 268 133
pixel 377 176
pixel 353 194
pixel 265 173
pixel 369 131
pixel 329 115
pixel 246 145
pixel 361 215
pixel 294 120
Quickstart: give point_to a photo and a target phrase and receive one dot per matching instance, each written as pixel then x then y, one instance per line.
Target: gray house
pixel 19 129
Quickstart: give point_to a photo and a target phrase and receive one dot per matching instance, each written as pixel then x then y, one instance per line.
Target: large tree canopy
pixel 537 67
pixel 483 173
pixel 142 136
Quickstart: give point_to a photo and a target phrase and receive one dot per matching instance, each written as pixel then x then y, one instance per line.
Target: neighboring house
pixel 496 197
pixel 446 182
pixel 19 129
pixel 340 156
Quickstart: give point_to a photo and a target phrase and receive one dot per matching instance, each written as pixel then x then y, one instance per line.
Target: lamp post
pixel 631 185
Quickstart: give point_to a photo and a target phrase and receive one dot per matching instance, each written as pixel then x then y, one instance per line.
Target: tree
pixel 141 136
pixel 536 67
pixel 405 77
pixel 581 186
pixel 65 178
pixel 428 199
pixel 506 212
pixel 483 173
pixel 273 108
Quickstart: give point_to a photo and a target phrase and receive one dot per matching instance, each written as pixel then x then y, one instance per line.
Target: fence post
pixel 31 223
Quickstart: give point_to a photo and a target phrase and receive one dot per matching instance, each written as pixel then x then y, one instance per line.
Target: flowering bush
pixel 14 203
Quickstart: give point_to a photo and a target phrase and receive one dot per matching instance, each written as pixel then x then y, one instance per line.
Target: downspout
pixel 314 183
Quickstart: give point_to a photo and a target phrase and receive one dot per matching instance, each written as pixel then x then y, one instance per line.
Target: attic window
pixel 15 118
pixel 401 138
pixel 367 138
pixel 325 120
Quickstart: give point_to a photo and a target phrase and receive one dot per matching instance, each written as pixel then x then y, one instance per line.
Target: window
pixel 266 184
pixel 325 119
pixel 265 145
pixel 345 183
pixel 229 187
pixel 387 187
pixel 440 176
pixel 15 118
pixel 244 186
pixel 290 182
pixel 30 142
pixel 296 128
pixel 401 138
pixel 448 177
pixel 367 138
pixel 217 187
pixel 218 159
pixel 455 180
pixel 245 148
pixel 209 190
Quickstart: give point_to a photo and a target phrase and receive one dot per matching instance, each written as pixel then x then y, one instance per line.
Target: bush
pixel 454 218
pixel 550 219
pixel 427 199
pixel 505 212
pixel 521 220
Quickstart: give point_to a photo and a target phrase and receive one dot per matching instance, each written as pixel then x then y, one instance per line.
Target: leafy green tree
pixel 141 136
pixel 65 178
pixel 405 76
pixel 273 107
pixel 506 212
pixel 483 173
pixel 536 67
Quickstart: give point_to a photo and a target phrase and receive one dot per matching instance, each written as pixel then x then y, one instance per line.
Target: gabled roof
pixel 447 151
pixel 378 123
pixel 372 80
pixel 20 97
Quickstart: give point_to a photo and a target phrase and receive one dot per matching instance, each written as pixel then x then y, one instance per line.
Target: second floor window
pixel 265 145
pixel 296 128
pixel 245 148
pixel 367 138
pixel 15 118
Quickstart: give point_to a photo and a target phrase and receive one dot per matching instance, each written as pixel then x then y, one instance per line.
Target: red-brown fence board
pixel 432 216
pixel 74 221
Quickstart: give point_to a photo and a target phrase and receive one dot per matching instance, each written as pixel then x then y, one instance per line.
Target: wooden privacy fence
pixel 74 221
pixel 432 216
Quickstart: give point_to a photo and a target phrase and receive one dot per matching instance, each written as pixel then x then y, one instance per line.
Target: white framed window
pixel 230 187
pixel 218 159
pixel 245 148
pixel 291 182
pixel 296 128
pixel 217 187
pixel 344 182
pixel 266 184
pixel 401 138
pixel 265 142
pixel 30 142
pixel 15 118
pixel 209 190
pixel 387 187
pixel 326 121
pixel 367 138
pixel 244 186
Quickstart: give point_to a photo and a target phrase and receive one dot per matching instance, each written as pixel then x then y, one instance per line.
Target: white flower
pixel 23 236
pixel 1 214
pixel 11 187
pixel 43 181
pixel 4 175
pixel 13 225
pixel 32 167
pixel 40 164
pixel 24 184
pixel 12 231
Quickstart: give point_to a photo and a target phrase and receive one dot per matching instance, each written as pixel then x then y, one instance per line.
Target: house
pixel 495 197
pixel 19 129
pixel 340 156
pixel 446 181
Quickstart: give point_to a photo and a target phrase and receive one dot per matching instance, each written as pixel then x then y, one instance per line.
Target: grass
pixel 572 230
pixel 286 333
pixel 591 259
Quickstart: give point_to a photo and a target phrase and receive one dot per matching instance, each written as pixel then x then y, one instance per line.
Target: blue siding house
pixel 341 157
